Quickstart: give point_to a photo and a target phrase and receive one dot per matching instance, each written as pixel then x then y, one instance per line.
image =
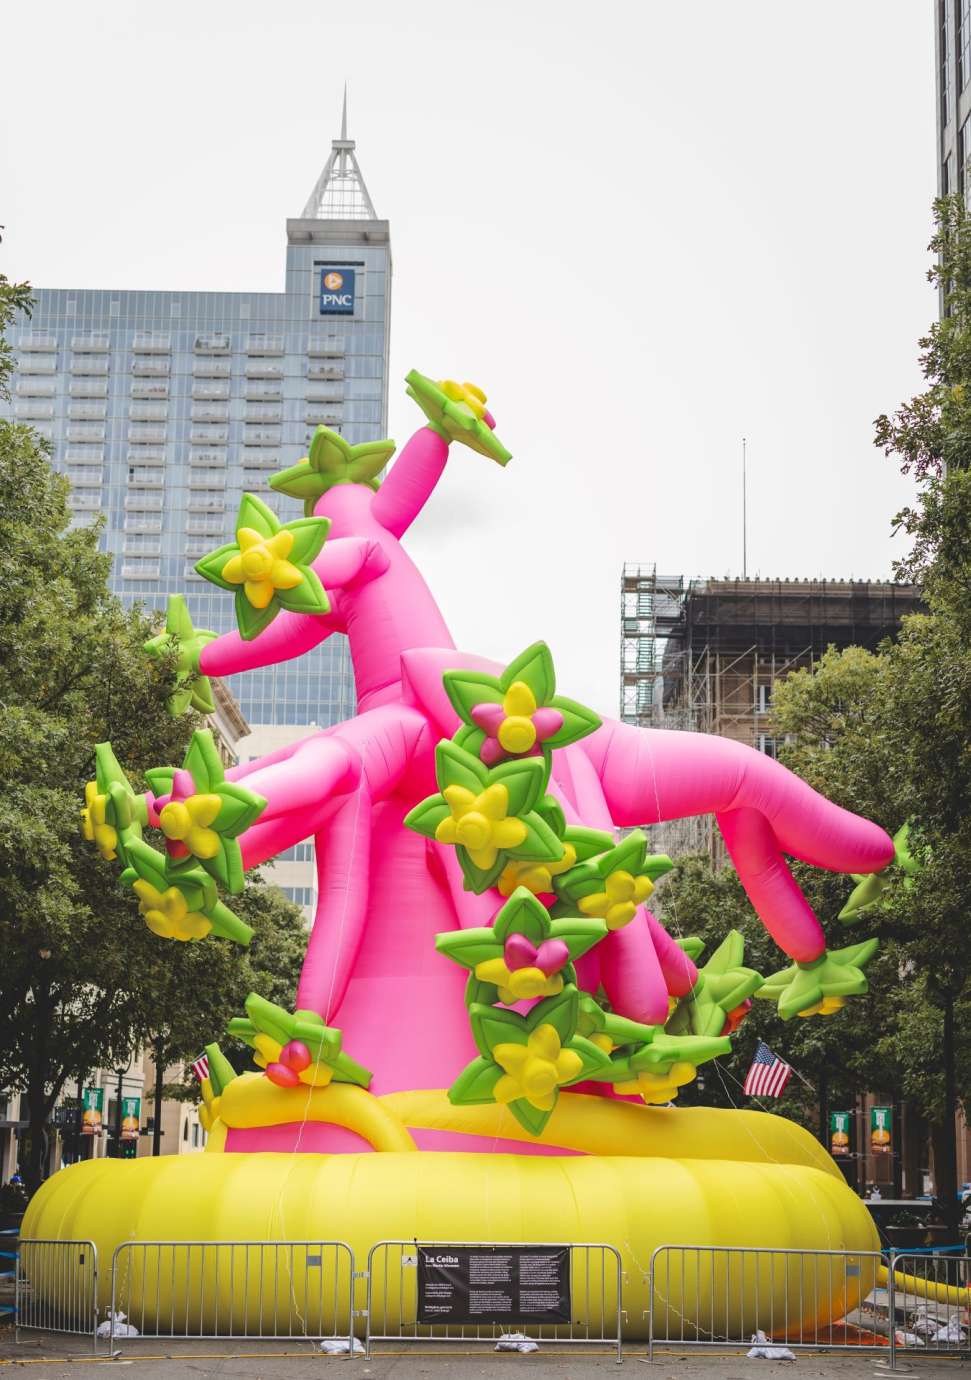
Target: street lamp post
pixel 120 1075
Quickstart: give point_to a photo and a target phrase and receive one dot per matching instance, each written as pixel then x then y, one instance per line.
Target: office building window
pixel 964 154
pixel 945 64
pixel 947 175
pixel 140 570
pixel 964 42
pixel 299 895
pixel 37 364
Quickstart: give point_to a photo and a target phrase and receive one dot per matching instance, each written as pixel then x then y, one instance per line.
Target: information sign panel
pixel 493 1284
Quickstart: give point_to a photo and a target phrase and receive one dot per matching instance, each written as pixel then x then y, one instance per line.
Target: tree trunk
pixel 946 1172
pixel 897 1147
pixel 158 1053
pixel 37 1098
pixel 824 1110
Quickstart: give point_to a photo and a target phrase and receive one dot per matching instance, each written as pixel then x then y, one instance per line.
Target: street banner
pixel 839 1133
pixel 881 1138
pixel 94 1105
pixel 493 1284
pixel 131 1113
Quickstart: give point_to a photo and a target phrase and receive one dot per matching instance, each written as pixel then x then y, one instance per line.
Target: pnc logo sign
pixel 336 291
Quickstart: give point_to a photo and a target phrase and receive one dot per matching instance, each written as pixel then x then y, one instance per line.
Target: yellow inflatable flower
pixel 520 984
pixel 602 1041
pixel 94 822
pixel 267 1049
pixel 186 822
pixel 479 823
pixel 517 732
pixel 209 1110
pixel 536 1069
pixel 167 913
pixel 262 566
pixel 467 394
pixel 536 877
pixel 659 1087
pixel 618 901
pixel 827 1007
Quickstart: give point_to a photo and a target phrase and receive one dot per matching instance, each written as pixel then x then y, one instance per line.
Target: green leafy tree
pixel 887 733
pixel 194 990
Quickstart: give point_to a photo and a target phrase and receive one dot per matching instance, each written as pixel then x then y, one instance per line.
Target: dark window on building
pixel 964 154
pixel 964 42
pixel 945 64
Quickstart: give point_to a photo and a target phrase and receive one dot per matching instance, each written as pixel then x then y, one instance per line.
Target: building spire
pixel 340 192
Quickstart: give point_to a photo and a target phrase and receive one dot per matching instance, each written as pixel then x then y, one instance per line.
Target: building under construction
pixel 704 655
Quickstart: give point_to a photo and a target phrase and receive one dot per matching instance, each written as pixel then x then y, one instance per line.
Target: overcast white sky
pixel 646 229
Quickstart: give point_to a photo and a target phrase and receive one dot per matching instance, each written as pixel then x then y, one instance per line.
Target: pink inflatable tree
pixel 480 924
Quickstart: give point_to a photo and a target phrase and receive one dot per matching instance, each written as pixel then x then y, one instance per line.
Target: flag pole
pixel 744 512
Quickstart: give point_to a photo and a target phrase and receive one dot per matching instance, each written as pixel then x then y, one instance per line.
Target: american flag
pixel 200 1067
pixel 768 1075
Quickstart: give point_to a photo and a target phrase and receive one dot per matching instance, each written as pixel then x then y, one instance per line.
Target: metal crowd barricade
pixel 56 1288
pixel 596 1284
pixel 930 1298
pixel 718 1296
pixel 281 1290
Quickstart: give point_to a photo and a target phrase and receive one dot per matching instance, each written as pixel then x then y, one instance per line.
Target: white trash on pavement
pixel 516 1341
pixel 337 1346
pixel 762 1351
pixel 120 1329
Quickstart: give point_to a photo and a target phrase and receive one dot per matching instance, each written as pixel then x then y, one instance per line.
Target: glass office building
pixel 164 407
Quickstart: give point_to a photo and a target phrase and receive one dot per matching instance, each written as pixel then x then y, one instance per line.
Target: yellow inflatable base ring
pixel 698 1176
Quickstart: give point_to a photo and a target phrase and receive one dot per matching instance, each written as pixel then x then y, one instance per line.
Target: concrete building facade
pixel 953 66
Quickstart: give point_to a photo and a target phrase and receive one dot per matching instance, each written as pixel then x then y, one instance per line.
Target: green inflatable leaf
pixel 221 1071
pixel 492 1026
pixel 193 690
pixel 522 914
pixel 332 460
pixel 535 668
pixel 806 988
pixel 530 1118
pixel 475 1084
pixel 723 985
pixel 525 780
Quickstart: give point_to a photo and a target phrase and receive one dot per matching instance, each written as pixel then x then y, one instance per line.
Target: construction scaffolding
pixel 703 655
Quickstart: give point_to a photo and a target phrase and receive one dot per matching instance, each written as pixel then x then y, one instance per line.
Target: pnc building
pixel 164 407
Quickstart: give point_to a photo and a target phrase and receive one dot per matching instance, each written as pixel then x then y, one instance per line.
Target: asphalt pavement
pixel 44 1359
